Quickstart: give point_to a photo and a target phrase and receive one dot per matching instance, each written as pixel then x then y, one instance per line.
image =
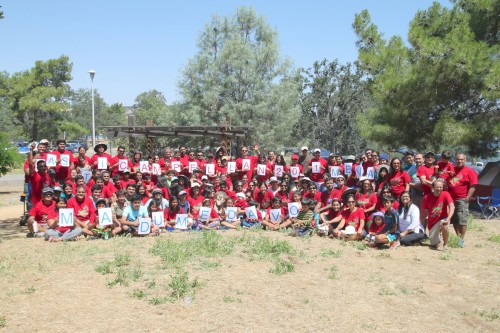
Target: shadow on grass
pixel 10 229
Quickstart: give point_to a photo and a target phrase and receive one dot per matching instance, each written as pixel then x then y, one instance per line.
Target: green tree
pixel 442 89
pixel 9 157
pixel 238 76
pixel 39 96
pixel 332 97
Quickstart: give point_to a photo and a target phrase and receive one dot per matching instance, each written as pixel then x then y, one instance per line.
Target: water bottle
pixel 106 235
pixel 35 227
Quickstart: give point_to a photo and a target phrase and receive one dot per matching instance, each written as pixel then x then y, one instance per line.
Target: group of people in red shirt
pixel 408 199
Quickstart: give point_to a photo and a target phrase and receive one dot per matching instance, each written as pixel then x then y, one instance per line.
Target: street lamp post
pixel 92 74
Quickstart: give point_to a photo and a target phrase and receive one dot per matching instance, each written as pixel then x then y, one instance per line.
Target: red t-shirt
pixel 266 197
pixel 171 216
pixel 398 181
pixel 195 204
pixel 353 218
pixel 366 200
pixel 115 160
pixel 316 196
pixel 460 183
pixel 38 183
pixel 63 172
pixel 428 172
pixel 85 210
pixel 95 157
pixel 375 229
pixel 253 164
pixel 444 167
pixel 318 177
pixel 41 211
pixel 437 207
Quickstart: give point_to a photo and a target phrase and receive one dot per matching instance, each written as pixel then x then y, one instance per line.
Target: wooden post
pixel 131 139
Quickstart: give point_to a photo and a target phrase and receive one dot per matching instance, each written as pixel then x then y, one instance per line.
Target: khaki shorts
pixel 461 215
pixel 435 233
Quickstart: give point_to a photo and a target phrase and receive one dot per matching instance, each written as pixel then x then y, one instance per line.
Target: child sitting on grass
pixel 390 232
pixel 101 230
pixel 303 223
pixel 377 225
pixel 267 222
pixel 252 221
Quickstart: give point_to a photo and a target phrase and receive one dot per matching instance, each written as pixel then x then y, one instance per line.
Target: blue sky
pixel 138 46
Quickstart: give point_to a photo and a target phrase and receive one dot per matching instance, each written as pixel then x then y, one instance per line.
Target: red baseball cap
pixel 295 157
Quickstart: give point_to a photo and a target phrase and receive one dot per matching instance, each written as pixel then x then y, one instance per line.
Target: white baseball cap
pixel 304 148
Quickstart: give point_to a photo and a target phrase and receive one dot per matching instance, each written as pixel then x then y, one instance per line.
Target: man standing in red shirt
pixel 317 167
pixel 242 167
pixel 461 187
pixel 426 173
pixel 437 210
pixel 115 162
pixel 39 179
pixel 99 150
pixel 62 172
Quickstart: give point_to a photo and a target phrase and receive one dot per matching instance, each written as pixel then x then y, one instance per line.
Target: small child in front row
pixel 252 221
pixel 303 223
pixel 377 225
pixel 390 233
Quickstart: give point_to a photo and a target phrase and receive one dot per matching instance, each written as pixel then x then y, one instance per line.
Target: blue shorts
pixel 392 237
pixel 246 224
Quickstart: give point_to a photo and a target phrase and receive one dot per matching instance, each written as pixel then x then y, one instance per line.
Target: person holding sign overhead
pixel 60 221
pixel 100 160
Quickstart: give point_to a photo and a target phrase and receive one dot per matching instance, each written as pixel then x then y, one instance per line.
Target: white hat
pixel 204 177
pixel 44 142
pixel 317 150
pixel 350 230
pixel 304 148
pixel 273 179
pixel 182 192
pixel 306 178
pixel 340 176
pixel 241 195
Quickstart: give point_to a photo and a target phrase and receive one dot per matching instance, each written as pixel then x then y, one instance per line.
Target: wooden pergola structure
pixel 225 132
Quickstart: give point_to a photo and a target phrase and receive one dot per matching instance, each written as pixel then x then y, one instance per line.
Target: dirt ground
pixel 334 285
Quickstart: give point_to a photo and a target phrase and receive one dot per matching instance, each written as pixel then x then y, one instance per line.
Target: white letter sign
pixel 51 160
pixel 65 217
pixel 181 221
pixel 294 172
pixel 278 170
pixel 176 166
pixel 156 170
pixel 65 160
pixel 261 169
pixel 144 226
pixel 105 216
pixel 231 167
pixel 245 164
pixel 293 209
pixel 316 167
pixel 210 169
pixel 158 219
pixel 144 166
pixel 102 163
pixel 122 165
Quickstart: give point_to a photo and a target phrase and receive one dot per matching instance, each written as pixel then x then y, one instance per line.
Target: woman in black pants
pixel 411 230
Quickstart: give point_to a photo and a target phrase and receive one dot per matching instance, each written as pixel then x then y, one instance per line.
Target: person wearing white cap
pixel 274 185
pixel 317 166
pixel 42 148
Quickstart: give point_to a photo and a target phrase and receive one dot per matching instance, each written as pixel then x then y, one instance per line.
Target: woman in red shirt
pixel 398 179
pixel 352 216
pixel 366 200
